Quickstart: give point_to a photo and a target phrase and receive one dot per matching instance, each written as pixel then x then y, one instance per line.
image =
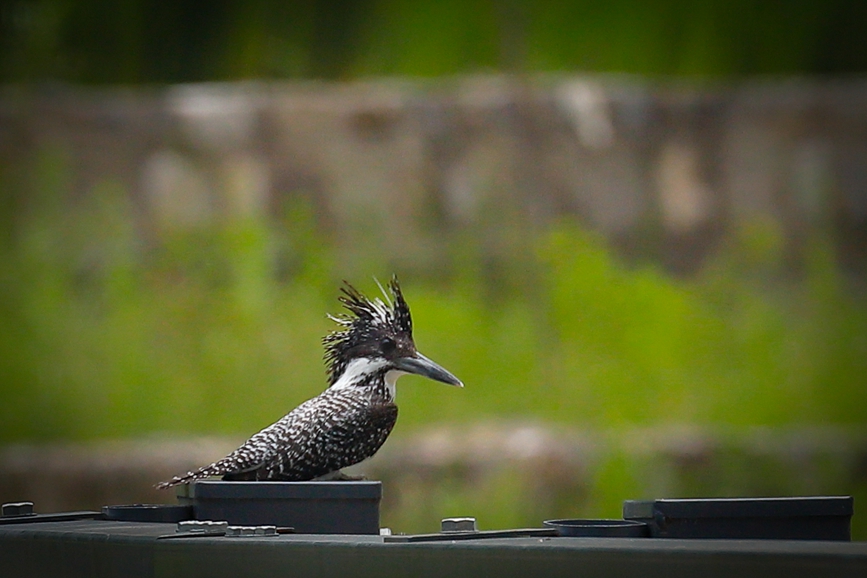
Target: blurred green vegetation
pixel 145 41
pixel 113 327
pixel 641 463
pixel 116 328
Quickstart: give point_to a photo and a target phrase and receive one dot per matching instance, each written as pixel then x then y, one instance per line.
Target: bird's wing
pixel 253 454
pixel 338 431
pixel 331 431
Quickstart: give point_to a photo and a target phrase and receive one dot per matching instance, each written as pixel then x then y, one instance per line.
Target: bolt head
pixel 459 525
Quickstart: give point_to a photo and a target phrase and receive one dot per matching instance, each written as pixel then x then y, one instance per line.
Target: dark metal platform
pixel 96 548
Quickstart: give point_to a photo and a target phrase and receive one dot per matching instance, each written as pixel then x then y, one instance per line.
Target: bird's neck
pixel 371 376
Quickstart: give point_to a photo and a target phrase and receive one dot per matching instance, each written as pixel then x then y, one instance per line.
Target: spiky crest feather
pixel 366 317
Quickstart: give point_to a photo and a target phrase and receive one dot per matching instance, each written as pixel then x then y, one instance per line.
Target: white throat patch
pixel 357 370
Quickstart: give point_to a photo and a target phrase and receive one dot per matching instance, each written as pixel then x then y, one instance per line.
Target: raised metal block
pixel 338 507
pixel 789 518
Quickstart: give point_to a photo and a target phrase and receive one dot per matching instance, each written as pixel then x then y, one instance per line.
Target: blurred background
pixel 637 231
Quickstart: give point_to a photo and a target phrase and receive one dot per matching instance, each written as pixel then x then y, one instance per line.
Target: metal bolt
pixel 17 509
pixel 202 527
pixel 244 531
pixel 459 525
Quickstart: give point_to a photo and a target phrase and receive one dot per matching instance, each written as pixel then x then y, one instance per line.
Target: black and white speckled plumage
pixel 350 420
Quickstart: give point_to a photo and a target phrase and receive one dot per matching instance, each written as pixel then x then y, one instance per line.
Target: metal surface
pixel 787 507
pixel 599 528
pixel 786 518
pixel 340 507
pixel 102 549
pixel 39 518
pixel 336 490
pixel 472 535
pixel 148 513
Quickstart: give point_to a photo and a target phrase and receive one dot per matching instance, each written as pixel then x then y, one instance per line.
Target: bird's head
pixel 376 339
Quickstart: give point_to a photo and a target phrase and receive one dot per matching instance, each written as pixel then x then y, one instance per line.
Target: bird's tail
pixel 199 474
pixel 241 464
pixel 219 468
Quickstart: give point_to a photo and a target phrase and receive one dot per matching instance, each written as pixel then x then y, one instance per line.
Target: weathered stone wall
pixel 662 168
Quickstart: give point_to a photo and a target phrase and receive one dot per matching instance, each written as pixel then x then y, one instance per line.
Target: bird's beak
pixel 421 365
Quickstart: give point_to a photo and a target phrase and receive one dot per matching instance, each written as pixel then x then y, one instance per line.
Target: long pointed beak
pixel 421 365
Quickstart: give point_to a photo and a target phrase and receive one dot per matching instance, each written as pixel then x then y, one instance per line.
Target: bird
pixel 351 419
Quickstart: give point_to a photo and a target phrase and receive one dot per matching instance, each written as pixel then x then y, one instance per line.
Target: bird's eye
pixel 388 345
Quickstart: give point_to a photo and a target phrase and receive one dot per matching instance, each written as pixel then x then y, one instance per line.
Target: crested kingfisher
pixel 351 419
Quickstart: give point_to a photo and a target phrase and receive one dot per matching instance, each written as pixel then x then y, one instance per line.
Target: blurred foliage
pixel 144 41
pixel 115 328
